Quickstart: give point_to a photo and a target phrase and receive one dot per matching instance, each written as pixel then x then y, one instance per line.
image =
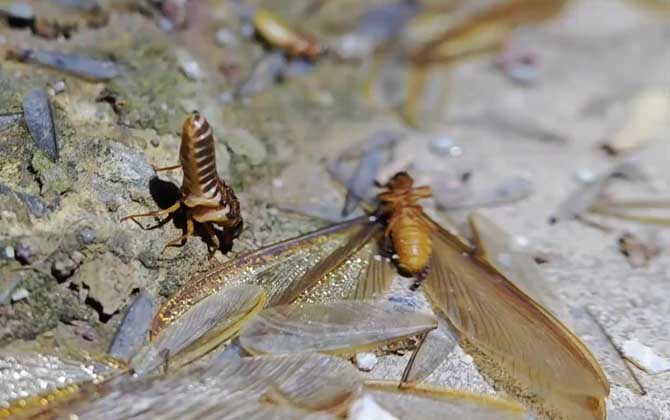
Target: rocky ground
pixel 79 267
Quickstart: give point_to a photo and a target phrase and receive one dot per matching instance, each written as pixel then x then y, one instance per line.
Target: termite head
pixel 400 181
pixel 193 125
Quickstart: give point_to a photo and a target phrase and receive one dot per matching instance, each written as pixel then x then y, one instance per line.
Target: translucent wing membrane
pixel 425 402
pixel 497 246
pixel 514 331
pixel 275 267
pixel 335 327
pixel 206 325
pixel 295 387
pixel 433 349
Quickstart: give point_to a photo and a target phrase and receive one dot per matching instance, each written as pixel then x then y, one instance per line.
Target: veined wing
pixel 429 402
pixel 514 331
pixel 332 261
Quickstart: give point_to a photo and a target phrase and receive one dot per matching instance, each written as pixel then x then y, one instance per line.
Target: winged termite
pixel 582 200
pixel 425 402
pixel 487 309
pixel 208 200
pixel 648 115
pixel 278 34
pixel 479 31
pixel 344 327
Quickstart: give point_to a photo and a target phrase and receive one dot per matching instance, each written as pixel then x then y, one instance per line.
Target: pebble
pixel 77 257
pixel 77 65
pixel 20 294
pixel 9 120
pixel 59 87
pixel 365 361
pixel 21 10
pixel 9 253
pixel 585 176
pixel 645 358
pixel 24 253
pixel 87 235
pixel 366 408
pixel 445 146
pixel 226 38
pixel 155 142
pixel 189 66
pixel 63 267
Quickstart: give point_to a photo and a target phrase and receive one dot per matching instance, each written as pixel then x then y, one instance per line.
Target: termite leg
pixel 213 238
pixel 173 208
pixel 420 278
pixel 408 368
pixel 166 168
pixel 180 241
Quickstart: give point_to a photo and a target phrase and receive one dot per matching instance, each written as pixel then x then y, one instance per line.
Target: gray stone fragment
pixel 39 118
pixel 9 120
pixel 134 329
pixel 74 64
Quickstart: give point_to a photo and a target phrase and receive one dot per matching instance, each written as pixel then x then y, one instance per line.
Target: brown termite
pixel 280 35
pixel 205 197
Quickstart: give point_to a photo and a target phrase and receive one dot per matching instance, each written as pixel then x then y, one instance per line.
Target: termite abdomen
pixel 205 198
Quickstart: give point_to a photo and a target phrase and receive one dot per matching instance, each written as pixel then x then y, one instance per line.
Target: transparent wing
pixel 342 327
pixel 433 349
pixel 274 267
pixel 427 402
pixel 206 325
pixel 514 331
pixel 325 266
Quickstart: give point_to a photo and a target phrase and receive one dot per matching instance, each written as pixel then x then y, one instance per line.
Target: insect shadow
pixel 165 194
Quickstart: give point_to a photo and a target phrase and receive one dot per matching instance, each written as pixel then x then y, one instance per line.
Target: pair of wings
pixel 344 261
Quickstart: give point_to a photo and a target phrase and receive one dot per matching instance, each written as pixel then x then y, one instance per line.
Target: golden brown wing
pixel 514 331
pixel 332 261
pixel 274 267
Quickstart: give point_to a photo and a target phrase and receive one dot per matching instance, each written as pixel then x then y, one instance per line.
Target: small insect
pixel 280 35
pixel 350 260
pixel 206 197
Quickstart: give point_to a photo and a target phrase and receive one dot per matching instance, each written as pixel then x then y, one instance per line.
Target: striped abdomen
pixel 411 238
pixel 200 186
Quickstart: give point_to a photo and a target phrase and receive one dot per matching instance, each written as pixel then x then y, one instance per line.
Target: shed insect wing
pixel 295 264
pixel 514 331
pixel 426 402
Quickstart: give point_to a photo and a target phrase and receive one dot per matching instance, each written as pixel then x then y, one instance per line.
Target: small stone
pixel 445 146
pixel 226 38
pixel 87 235
pixel 644 357
pixel 366 408
pixel 21 10
pixel 24 253
pixel 63 268
pixel 243 143
pixel 8 252
pixel 155 142
pixel 77 257
pixel 20 294
pixel 365 361
pixel 189 66
pixel 585 176
pixel 59 87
